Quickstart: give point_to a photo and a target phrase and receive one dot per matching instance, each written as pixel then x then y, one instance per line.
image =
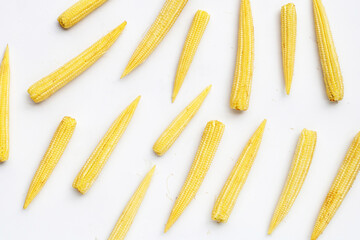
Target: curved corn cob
pixel 93 166
pixel 209 143
pixel 329 60
pixel 173 131
pixel 340 187
pixel 241 89
pixel 158 30
pixel 47 86
pixel 288 38
pixel 192 42
pixel 52 156
pixel 227 198
pixel 296 177
pixel 127 216
pixel 4 106
pixel 78 11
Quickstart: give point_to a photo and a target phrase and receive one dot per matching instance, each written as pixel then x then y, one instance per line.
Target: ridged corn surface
pixel 47 86
pixel 340 187
pixel 208 146
pixel 288 42
pixel 78 11
pixel 52 156
pixel 192 42
pixel 158 30
pixel 296 177
pixel 177 126
pixel 127 216
pixel 229 193
pixel 329 59
pixel 93 166
pixel 4 106
pixel 241 89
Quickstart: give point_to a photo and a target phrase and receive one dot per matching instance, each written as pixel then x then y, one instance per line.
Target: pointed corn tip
pixel 26 204
pixel 124 74
pixel 136 101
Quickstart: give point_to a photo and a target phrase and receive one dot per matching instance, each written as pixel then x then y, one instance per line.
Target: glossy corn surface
pixel 229 193
pixel 127 216
pixel 329 59
pixel 208 146
pixel 78 11
pixel 93 166
pixel 51 158
pixel 177 126
pixel 47 86
pixel 158 30
pixel 340 187
pixel 288 42
pixel 4 106
pixel 192 42
pixel 244 67
pixel 296 177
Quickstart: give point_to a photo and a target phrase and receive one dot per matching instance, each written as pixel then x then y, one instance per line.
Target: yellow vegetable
pixel 209 143
pixel 52 156
pixel 158 30
pixel 192 42
pixel 127 217
pixel 47 86
pixel 229 194
pixel 78 11
pixel 296 177
pixel 241 89
pixel 4 106
pixel 93 166
pixel 329 60
pixel 173 131
pixel 288 38
pixel 340 187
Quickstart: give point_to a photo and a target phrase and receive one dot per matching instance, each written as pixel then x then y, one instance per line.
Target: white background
pixel 38 46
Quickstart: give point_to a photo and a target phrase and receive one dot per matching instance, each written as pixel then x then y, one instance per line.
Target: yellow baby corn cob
pixel 52 156
pixel 241 89
pixel 4 107
pixel 296 177
pixel 340 187
pixel 227 198
pixel 209 143
pixel 127 217
pixel 78 11
pixel 173 131
pixel 93 166
pixel 288 38
pixel 192 42
pixel 158 30
pixel 329 60
pixel 47 86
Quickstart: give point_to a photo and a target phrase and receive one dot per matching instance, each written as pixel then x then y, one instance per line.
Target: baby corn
pixel 78 11
pixel 93 166
pixel 288 38
pixel 227 198
pixel 340 187
pixel 127 217
pixel 209 143
pixel 158 30
pixel 173 131
pixel 47 86
pixel 192 42
pixel 296 177
pixel 329 60
pixel 52 156
pixel 4 107
pixel 241 89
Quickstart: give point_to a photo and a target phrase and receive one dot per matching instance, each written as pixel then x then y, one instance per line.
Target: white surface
pixel 38 46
